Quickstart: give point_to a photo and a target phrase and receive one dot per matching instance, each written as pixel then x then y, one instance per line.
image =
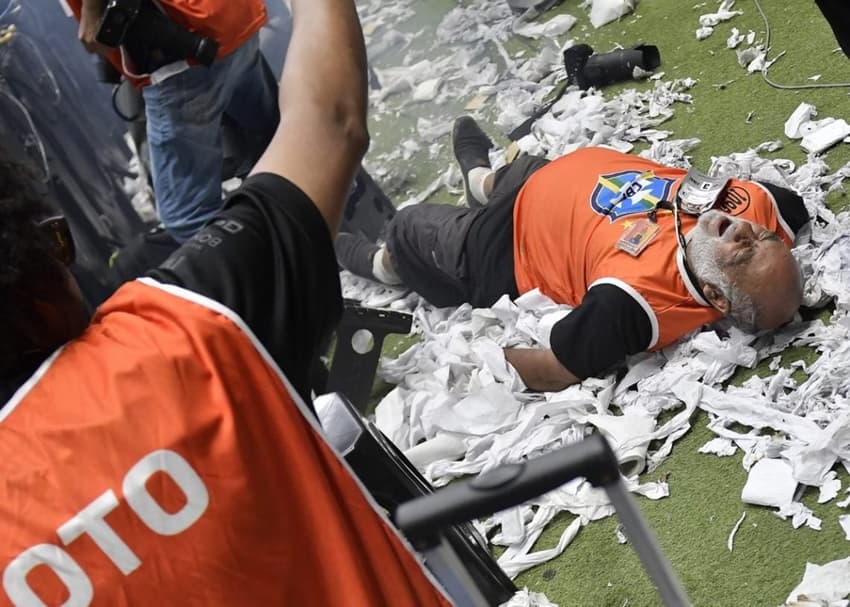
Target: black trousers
pixel 452 255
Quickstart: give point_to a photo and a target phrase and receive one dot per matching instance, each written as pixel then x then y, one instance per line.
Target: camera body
pixel 117 18
pixel 150 36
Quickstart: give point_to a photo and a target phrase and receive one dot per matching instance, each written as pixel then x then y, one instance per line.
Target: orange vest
pixel 571 213
pixel 228 22
pixel 163 459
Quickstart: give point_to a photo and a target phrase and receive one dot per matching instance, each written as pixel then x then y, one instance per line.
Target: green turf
pixel 693 524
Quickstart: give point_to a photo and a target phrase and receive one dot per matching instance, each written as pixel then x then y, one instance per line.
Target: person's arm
pixel 597 335
pixel 540 369
pixel 90 15
pixel 268 255
pixel 322 134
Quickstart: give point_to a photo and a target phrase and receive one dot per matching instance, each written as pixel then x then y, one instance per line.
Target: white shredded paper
pixel 731 541
pixel 455 387
pixel 822 584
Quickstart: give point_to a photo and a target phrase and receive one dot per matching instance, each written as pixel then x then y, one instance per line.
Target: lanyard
pixel 684 249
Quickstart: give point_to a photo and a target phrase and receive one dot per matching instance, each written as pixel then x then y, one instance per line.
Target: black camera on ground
pixel 145 31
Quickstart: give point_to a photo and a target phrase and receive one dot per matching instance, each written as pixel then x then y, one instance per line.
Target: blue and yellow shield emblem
pixel 619 195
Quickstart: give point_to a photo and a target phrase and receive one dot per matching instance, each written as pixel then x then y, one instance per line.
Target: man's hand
pixel 540 369
pixel 90 15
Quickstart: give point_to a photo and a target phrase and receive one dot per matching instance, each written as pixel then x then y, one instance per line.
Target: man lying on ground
pixel 601 231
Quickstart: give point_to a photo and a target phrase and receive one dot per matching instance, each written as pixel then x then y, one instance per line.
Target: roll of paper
pixel 629 436
pixel 442 446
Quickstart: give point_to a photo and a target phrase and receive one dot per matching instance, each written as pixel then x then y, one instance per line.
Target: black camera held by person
pixel 150 36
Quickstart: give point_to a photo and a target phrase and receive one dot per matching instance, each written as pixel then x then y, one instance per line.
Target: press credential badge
pixel 635 239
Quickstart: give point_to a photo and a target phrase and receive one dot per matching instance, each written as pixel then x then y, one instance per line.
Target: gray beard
pixel 702 258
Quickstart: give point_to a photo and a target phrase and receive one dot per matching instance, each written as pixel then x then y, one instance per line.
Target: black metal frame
pixel 425 519
pixel 352 373
pixel 392 481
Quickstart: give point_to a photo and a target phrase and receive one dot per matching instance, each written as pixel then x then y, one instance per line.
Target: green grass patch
pixel 732 111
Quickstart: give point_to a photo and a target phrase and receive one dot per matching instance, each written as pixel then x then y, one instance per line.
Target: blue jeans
pixel 275 35
pixel 184 115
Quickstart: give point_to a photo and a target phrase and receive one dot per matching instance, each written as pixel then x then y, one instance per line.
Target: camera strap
pixel 167 71
pixel 152 44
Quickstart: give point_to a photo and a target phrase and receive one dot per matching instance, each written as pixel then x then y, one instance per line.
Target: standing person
pixel 185 101
pixel 598 230
pixel 162 453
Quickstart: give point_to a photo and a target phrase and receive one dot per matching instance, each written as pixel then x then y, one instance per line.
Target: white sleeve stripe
pixel 308 415
pixel 25 389
pixel 219 308
pixel 790 233
pixel 632 292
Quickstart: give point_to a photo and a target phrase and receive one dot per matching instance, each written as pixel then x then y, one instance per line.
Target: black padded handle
pixel 422 519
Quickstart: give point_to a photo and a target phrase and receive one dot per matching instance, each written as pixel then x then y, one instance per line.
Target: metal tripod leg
pixel 646 546
pixel 422 519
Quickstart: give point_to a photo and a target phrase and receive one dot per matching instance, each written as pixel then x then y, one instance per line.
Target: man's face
pixel 737 245
pixel 725 250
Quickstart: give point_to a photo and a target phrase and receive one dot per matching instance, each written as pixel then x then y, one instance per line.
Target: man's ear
pixel 716 298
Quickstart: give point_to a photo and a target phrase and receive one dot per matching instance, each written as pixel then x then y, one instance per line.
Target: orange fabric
pixel 562 244
pixel 284 522
pixel 228 22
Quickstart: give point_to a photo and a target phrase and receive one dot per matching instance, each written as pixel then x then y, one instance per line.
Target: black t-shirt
pixel 267 256
pixel 610 325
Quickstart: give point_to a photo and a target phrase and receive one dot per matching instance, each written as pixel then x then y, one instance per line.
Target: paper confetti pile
pixel 464 408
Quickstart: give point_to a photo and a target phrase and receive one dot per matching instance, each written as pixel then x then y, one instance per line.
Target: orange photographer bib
pixel 163 459
pixel 228 22
pixel 571 214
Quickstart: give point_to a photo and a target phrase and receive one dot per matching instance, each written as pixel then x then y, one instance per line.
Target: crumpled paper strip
pixel 799 420
pixel 822 584
pixel 606 11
